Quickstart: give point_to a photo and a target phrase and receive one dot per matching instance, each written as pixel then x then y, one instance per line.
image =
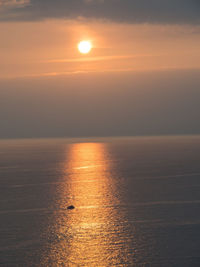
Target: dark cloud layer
pixel 131 11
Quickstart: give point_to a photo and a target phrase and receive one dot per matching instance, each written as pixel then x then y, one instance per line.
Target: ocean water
pixel 137 202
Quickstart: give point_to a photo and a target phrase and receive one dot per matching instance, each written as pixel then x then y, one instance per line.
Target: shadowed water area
pixel 137 202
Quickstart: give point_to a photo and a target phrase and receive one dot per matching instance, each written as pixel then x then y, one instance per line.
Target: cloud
pixel 101 58
pixel 131 11
pixel 13 3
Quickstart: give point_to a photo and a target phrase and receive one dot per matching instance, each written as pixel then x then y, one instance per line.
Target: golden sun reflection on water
pixel 85 236
pixel 89 191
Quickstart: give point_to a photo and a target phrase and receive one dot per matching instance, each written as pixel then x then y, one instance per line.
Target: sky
pixel 142 76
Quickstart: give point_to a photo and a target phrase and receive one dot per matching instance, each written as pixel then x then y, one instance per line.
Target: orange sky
pixel 139 79
pixel 50 47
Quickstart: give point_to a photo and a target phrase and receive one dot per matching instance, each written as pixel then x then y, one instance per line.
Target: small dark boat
pixel 70 207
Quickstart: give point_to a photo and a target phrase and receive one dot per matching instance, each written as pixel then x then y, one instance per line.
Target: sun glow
pixel 84 47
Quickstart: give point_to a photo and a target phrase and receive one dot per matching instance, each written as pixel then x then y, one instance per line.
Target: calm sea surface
pixel 137 202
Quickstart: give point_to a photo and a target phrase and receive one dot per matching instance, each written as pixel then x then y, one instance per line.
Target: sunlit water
pixel 137 202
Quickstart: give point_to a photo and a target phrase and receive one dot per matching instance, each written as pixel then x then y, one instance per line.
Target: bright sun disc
pixel 84 47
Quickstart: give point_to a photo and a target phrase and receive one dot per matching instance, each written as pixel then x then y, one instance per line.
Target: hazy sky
pixel 142 76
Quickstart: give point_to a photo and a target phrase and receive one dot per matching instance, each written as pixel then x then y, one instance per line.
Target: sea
pixel 136 202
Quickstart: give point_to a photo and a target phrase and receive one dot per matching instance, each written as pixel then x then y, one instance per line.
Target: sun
pixel 84 47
